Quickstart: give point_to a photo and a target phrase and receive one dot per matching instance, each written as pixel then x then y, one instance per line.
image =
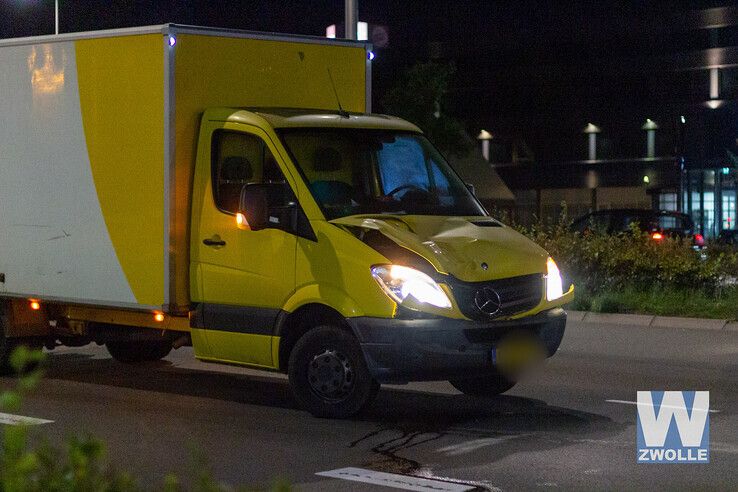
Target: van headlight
pixel 554 287
pixel 401 283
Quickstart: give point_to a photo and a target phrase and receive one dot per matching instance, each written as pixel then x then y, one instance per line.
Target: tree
pixel 420 97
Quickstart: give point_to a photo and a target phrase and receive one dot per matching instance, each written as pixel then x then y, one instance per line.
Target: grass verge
pixel 661 302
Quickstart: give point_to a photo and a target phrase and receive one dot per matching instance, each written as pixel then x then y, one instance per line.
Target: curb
pixel 649 320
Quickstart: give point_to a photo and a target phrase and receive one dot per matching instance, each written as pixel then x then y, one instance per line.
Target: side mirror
pixel 254 205
pixel 471 189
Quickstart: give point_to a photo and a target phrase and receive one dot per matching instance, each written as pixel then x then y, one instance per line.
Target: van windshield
pixel 364 171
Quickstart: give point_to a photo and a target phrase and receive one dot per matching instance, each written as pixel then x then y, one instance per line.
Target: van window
pixel 239 159
pixel 403 163
pixel 364 171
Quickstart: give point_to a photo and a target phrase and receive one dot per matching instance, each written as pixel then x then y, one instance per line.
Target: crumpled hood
pixel 459 245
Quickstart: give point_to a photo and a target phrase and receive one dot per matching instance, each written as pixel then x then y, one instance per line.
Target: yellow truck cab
pixel 335 245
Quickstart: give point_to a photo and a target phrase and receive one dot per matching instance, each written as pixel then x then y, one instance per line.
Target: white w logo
pixel 656 428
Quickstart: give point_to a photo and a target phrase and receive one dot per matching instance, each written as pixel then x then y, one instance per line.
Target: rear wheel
pixel 490 385
pixel 328 374
pixel 8 345
pixel 131 352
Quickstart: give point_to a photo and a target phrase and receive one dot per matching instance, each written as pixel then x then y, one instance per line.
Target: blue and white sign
pixel 673 427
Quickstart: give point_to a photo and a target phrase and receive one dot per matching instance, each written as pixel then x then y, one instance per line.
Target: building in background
pixel 658 80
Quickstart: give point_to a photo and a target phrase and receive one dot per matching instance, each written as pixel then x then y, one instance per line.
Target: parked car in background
pixel 728 236
pixel 658 223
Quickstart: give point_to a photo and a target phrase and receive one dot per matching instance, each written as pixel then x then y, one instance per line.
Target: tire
pixel 8 345
pixel 490 385
pixel 5 348
pixel 139 351
pixel 328 374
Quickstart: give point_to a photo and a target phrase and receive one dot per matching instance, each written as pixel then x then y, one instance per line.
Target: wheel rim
pixel 331 375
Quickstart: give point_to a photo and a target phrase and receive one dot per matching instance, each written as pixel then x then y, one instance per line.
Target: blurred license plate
pixel 514 354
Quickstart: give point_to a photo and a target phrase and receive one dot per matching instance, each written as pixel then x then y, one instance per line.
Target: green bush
pixel 599 263
pixel 631 272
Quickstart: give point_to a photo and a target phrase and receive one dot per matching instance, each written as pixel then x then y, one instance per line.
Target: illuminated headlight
pixel 401 283
pixel 554 288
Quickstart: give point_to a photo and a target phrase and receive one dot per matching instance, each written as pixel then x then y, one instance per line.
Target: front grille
pixel 516 295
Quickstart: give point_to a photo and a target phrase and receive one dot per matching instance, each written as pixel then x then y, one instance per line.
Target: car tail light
pixel 657 236
pixel 699 240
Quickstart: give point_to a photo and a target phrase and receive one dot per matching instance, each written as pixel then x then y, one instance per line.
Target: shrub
pixel 598 263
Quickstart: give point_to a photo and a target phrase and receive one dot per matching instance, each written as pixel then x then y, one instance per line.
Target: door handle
pixel 214 241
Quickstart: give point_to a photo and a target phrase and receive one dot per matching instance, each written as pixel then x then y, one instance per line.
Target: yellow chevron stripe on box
pixel 123 116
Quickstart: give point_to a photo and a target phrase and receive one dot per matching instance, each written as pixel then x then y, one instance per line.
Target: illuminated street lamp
pixel 650 128
pixel 591 130
pixel 485 136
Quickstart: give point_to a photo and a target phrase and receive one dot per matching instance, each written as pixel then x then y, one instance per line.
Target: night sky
pixel 536 71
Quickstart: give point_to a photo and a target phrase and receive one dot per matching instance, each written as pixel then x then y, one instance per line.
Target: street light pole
pixel 351 18
pixel 56 16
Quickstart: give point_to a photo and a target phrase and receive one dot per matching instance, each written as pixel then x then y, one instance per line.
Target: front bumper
pixel 402 350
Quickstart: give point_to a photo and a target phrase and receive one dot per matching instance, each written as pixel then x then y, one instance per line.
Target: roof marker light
pixel 172 40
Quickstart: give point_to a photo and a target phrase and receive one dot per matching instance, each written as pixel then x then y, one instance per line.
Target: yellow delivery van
pixel 172 185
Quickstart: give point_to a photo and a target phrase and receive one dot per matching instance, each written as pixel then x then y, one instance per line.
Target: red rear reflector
pixel 699 240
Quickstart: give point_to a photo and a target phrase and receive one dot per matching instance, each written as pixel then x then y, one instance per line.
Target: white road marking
pixel 393 480
pixel 625 402
pixel 473 445
pixel 10 419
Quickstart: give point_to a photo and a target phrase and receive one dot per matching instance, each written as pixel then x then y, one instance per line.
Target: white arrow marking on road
pixel 10 419
pixel 625 402
pixel 393 480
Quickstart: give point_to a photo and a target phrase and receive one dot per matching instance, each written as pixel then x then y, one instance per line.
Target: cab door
pixel 241 278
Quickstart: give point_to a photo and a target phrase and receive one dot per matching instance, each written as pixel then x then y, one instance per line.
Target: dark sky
pixel 537 70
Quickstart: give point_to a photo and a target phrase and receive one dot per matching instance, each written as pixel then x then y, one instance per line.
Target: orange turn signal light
pixel 35 305
pixel 241 221
pixel 657 236
pixel 158 317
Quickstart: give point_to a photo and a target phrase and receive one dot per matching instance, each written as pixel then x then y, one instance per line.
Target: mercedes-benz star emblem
pixel 488 301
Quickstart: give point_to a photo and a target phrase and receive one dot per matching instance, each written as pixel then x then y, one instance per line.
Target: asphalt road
pixel 554 430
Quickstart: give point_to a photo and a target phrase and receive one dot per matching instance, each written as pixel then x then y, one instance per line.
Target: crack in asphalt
pixel 392 462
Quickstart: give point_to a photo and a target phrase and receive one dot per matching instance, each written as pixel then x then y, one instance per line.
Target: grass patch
pixel 662 302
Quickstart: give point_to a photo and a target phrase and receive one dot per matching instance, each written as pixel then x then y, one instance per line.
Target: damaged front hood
pixel 469 248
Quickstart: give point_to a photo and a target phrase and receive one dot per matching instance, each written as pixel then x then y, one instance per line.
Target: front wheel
pixel 139 351
pixel 490 385
pixel 328 374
